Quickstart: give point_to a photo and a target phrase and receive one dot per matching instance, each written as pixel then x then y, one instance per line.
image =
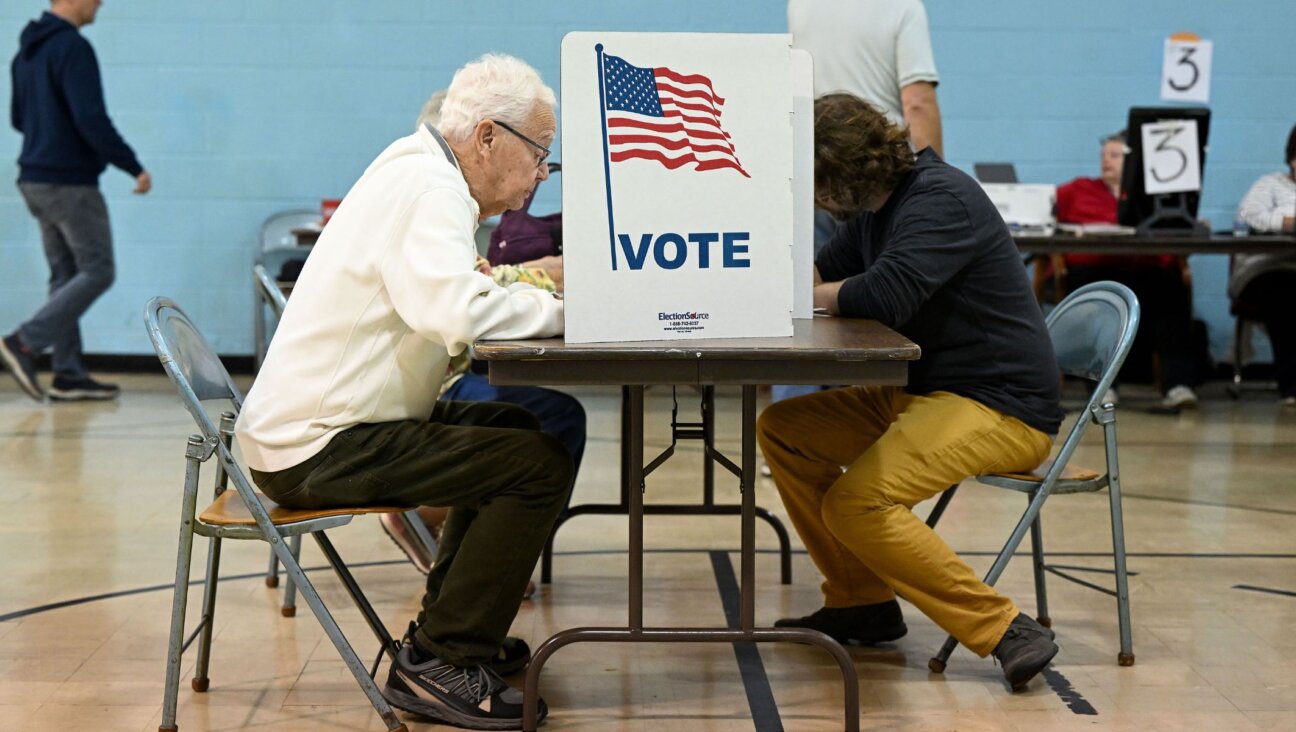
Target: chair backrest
pixel 269 290
pixel 190 362
pixel 276 232
pixel 1092 330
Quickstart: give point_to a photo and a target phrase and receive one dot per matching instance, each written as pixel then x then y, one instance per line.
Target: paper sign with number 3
pixel 1186 74
pixel 1171 157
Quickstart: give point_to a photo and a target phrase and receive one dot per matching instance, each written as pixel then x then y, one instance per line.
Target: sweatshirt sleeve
pixel 930 242
pixel 428 272
pixel 83 90
pixel 843 255
pixel 15 113
pixel 1259 207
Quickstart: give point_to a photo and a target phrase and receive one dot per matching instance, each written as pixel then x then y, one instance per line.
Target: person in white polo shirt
pixel 344 410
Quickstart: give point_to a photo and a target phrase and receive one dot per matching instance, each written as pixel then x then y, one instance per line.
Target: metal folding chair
pixel 271 294
pixel 199 377
pixel 276 245
pixel 1092 330
pixel 1246 320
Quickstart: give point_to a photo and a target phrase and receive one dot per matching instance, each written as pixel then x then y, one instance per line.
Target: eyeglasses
pixel 544 151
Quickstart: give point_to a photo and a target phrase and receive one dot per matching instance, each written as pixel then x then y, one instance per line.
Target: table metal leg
pixel 708 444
pixel 747 484
pixel 635 485
pixel 632 436
pixel 708 507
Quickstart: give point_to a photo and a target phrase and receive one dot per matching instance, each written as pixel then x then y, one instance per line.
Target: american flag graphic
pixel 663 115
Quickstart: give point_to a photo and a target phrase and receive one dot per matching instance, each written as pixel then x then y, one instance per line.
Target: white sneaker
pixel 1179 397
pixel 1111 397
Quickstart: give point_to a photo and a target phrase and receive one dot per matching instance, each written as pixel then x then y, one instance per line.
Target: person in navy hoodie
pixel 68 141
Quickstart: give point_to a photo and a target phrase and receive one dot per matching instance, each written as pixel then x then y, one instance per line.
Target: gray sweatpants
pixel 78 246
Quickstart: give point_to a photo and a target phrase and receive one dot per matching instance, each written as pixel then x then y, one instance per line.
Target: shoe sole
pixel 409 552
pixel 885 635
pixel 32 389
pixel 78 395
pixel 449 715
pixel 510 667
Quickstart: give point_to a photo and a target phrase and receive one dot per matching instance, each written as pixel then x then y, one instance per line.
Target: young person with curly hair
pixel 924 251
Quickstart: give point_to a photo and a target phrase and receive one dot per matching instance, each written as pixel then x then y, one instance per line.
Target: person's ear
pixel 485 137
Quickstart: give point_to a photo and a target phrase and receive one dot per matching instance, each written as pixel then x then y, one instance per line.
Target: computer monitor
pixel 1161 213
pixel 995 172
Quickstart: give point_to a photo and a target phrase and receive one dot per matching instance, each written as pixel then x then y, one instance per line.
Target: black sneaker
pixel 472 697
pixel 513 656
pixel 861 624
pixel 1025 650
pixel 81 389
pixel 21 362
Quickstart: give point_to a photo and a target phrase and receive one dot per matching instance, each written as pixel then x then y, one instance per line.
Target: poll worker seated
pixel 1163 283
pixel 1265 284
pixel 345 408
pixel 924 251
pixel 559 414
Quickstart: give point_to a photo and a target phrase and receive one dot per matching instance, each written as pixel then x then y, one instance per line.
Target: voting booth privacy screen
pixel 677 201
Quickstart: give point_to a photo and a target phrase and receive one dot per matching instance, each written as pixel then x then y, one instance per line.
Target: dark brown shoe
pixel 862 624
pixel 1025 650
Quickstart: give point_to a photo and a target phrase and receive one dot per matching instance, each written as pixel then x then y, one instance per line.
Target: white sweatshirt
pixel 1263 208
pixel 388 294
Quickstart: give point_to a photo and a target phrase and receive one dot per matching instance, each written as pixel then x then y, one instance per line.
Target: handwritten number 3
pixel 1164 146
pixel 1186 60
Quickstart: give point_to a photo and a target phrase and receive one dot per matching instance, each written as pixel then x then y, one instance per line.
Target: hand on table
pixel 552 266
pixel 825 297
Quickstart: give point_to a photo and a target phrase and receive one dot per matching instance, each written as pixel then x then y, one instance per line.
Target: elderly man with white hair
pixel 345 410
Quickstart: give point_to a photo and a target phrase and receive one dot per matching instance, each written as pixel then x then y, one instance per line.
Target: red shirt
pixel 1090 201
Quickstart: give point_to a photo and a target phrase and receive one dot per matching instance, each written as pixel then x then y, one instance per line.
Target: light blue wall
pixel 1038 82
pixel 240 109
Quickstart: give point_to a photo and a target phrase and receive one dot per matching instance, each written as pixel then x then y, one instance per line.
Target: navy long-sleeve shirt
pixel 937 264
pixel 58 106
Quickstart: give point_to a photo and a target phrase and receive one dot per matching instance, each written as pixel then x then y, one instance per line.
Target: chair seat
pixel 230 510
pixel 1074 479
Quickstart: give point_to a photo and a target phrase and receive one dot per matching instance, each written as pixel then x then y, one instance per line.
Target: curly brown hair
pixel 859 154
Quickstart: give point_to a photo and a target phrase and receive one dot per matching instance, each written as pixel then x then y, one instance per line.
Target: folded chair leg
pixel 200 680
pixel 357 596
pixel 938 662
pixel 941 504
pixel 180 595
pixel 415 524
pixel 344 649
pixel 1041 588
pixel 272 573
pixel 289 608
pixel 1239 347
pixel 546 559
pixel 1126 657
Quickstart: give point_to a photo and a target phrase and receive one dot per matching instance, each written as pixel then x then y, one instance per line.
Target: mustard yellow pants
pixel 898 449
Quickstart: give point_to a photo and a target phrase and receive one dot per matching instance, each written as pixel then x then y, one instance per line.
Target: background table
pixel 1160 244
pixel 821 351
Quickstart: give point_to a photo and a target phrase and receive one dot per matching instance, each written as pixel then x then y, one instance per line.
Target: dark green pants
pixel 505 481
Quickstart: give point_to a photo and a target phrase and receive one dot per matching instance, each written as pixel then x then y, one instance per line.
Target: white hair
pixel 495 86
pixel 431 112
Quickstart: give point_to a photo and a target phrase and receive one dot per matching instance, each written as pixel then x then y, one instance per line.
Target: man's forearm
pixel 922 114
pixel 825 297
